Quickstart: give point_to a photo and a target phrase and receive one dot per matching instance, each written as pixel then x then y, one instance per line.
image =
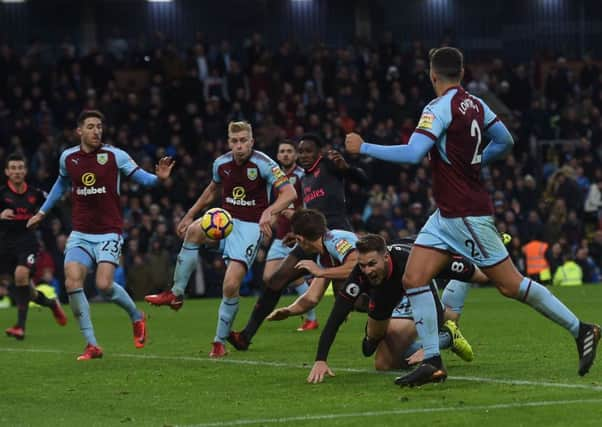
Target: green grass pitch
pixel 524 372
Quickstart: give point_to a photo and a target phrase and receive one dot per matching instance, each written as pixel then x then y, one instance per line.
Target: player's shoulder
pixel 299 172
pixel 443 101
pixel 69 151
pixel 113 149
pixel 260 158
pixel 223 159
pixel 335 236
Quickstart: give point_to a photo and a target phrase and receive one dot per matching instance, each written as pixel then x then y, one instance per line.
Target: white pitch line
pixel 290 365
pixel 398 412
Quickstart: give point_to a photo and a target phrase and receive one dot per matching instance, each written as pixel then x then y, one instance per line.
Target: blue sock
pixel 445 339
pixel 301 289
pixel 542 300
pixel 444 342
pixel 185 265
pixel 425 319
pixel 454 295
pixel 227 312
pixel 81 311
pixel 119 296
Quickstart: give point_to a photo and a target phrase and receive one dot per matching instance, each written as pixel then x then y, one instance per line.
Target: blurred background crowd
pixel 163 100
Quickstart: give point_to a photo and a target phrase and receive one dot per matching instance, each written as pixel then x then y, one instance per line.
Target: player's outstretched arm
pixel 60 187
pixel 501 143
pixel 342 307
pixel 286 195
pixel 207 197
pixel 413 152
pixel 304 303
pixel 162 172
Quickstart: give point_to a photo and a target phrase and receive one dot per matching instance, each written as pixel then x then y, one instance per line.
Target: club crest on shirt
pixel 293 180
pixel 102 158
pixel 426 121
pixel 252 174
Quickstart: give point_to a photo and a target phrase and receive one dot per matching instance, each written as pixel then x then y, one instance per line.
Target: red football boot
pixel 218 350
pixel 140 332
pixel 16 332
pixel 90 352
pixel 166 298
pixel 308 325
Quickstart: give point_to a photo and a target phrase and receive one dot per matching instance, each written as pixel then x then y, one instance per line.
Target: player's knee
pixel 194 234
pixel 382 363
pixel 230 290
pixel 508 290
pixel 104 284
pixel 21 276
pixel 411 280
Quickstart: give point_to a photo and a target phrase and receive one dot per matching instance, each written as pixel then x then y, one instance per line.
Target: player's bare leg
pixel 424 264
pixel 512 284
pixel 111 291
pixel 400 334
pixel 185 266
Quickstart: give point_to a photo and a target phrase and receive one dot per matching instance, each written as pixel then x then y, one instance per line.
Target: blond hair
pixel 234 127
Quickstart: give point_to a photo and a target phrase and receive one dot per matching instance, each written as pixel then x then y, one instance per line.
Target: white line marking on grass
pixel 203 359
pixel 398 412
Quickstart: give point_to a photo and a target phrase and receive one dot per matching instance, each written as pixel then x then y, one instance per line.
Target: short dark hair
pixel 15 157
pixel 447 62
pixel 287 142
pixel 370 243
pixel 308 223
pixel 86 114
pixel 312 137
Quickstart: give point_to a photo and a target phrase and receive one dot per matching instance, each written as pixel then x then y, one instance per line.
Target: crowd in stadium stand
pixel 161 100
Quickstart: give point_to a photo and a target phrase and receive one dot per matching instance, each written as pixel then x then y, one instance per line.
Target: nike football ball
pixel 217 223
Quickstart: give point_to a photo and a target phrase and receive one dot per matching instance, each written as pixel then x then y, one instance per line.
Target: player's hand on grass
pixel 338 160
pixel 318 372
pixel 164 167
pixel 35 220
pixel 279 314
pixel 183 225
pixel 7 214
pixel 353 143
pixel 309 265
pixel 416 358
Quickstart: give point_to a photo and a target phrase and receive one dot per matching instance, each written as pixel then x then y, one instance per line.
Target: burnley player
pixel 287 158
pixel 452 129
pixel 334 254
pixel 323 189
pixel 379 273
pixel 92 170
pixel 244 179
pixel 18 245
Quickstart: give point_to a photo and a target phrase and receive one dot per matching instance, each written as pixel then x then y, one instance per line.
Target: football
pixel 217 223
